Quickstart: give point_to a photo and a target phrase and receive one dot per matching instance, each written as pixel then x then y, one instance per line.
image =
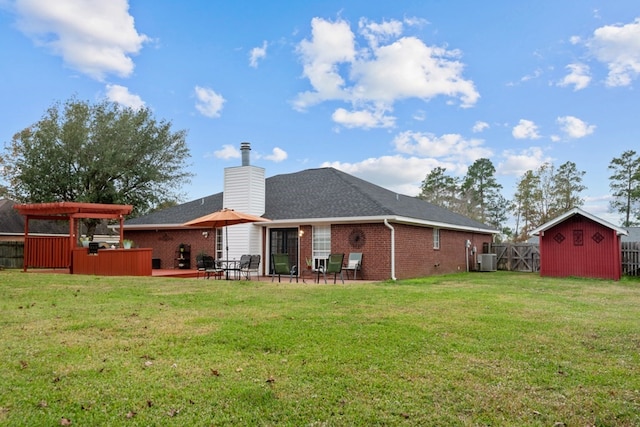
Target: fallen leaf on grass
pixel 215 372
pixel 271 380
pixel 65 421
pixel 173 412
pixel 130 414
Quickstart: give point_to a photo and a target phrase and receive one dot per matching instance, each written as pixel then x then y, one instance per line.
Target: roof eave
pixel 326 220
pixel 381 218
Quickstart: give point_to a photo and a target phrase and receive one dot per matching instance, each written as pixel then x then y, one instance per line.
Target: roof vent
pixel 245 149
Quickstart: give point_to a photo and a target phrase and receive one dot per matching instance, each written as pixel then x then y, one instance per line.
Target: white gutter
pixel 393 249
pixel 365 219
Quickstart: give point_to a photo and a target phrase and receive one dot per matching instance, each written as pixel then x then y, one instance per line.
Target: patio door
pixel 283 241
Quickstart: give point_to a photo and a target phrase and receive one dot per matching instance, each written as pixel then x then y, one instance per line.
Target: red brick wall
pixel 415 256
pixel 375 250
pixel 165 243
pixel 414 252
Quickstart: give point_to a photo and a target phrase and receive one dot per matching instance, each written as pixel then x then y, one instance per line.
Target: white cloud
pixel 525 129
pixel 331 44
pixel 95 37
pixel 408 68
pixel 618 46
pixel 578 76
pixel 122 96
pixel 277 155
pixel 376 33
pixel 420 115
pixel 257 53
pixel 363 119
pixel 387 69
pixel 208 103
pixel 575 128
pixel 536 73
pixel 480 126
pixel 396 173
pixel 450 147
pixel 518 162
pixel 227 152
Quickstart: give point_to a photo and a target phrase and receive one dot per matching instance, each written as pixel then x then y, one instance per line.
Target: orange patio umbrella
pixel 224 218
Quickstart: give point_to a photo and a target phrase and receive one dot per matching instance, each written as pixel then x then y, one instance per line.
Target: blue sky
pixel 385 91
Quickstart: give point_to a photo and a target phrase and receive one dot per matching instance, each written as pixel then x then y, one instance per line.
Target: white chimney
pixel 244 190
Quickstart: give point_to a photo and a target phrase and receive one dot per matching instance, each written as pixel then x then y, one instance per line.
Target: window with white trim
pixel 219 243
pixel 321 245
pixel 436 238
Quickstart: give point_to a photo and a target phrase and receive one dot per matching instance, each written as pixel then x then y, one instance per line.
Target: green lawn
pixel 469 349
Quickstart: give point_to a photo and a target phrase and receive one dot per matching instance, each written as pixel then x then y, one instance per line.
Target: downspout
pixel 393 249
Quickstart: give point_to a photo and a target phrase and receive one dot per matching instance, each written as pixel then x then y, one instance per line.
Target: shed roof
pixel 577 211
pixel 323 194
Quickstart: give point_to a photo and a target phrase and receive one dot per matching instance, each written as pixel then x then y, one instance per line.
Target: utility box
pixel 487 262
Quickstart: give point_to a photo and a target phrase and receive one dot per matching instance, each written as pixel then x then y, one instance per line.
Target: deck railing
pixel 47 252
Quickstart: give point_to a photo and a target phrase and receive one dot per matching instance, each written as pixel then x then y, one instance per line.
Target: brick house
pixel 315 212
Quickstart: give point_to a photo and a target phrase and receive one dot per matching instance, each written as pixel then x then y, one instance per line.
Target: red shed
pixel 580 244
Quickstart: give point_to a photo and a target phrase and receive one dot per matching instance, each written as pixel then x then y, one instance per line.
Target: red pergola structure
pixel 72 212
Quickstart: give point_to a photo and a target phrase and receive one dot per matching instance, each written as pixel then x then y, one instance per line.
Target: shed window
pixel 436 238
pixel 578 238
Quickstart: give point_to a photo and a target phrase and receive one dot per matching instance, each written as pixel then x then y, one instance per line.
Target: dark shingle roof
pixel 12 222
pixel 181 213
pixel 320 193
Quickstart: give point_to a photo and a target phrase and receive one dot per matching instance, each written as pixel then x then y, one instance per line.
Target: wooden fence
pixel 11 254
pixel 517 256
pixel 631 258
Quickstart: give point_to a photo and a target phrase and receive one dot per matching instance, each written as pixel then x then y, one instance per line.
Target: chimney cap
pixel 245 148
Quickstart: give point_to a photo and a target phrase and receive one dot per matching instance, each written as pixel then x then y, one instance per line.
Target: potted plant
pixel 309 262
pixel 127 244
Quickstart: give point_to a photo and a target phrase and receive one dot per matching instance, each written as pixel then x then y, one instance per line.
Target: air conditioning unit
pixel 487 262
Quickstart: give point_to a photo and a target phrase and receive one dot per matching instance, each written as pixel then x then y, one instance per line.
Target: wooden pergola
pixel 72 212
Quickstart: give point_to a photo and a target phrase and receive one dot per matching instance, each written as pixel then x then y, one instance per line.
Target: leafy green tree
pixel 497 210
pixel 482 191
pixel 525 201
pixel 625 187
pixel 544 201
pixel 566 188
pixel 545 193
pixel 440 189
pixel 98 153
